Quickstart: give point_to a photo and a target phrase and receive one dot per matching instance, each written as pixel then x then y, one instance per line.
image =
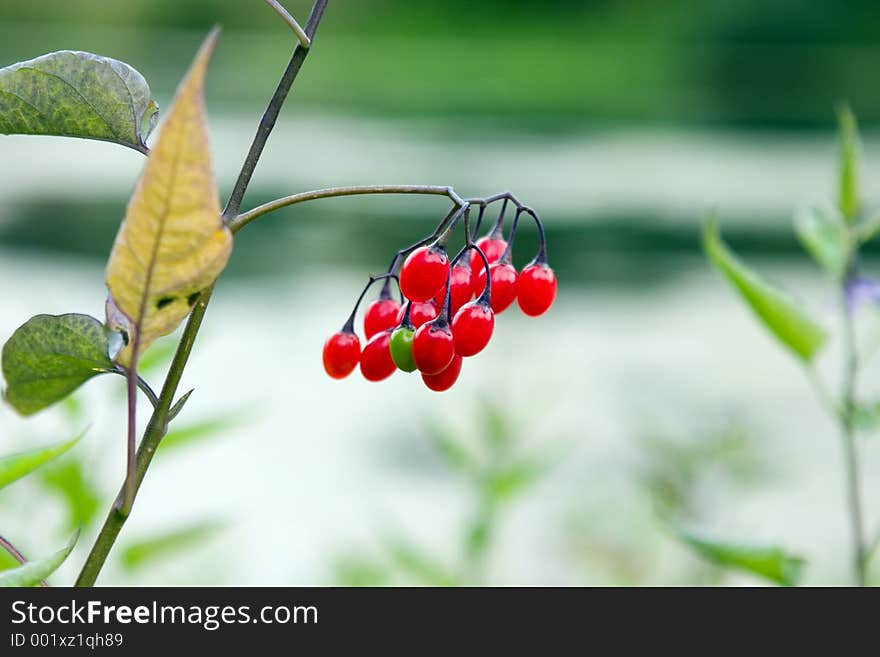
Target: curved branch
pixel 245 218
pixel 141 383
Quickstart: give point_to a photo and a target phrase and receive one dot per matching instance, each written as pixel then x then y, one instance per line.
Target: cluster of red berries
pixel 449 310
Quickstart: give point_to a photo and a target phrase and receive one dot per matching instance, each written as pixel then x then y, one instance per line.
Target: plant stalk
pixel 158 424
pixel 850 448
pixel 270 116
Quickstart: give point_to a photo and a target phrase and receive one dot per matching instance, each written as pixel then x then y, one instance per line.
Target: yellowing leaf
pixel 172 243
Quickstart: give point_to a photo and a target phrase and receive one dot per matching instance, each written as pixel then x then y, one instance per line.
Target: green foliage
pixel 417 565
pixel 825 237
pixel 70 480
pixel 50 356
pixel 779 313
pixel 512 479
pixel 848 164
pixel 676 468
pixel 771 563
pixel 34 572
pixel 7 561
pixel 187 435
pixel 358 570
pixel 142 553
pixel 77 94
pixel 16 466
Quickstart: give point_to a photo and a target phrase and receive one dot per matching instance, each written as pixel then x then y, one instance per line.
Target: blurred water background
pixel 646 390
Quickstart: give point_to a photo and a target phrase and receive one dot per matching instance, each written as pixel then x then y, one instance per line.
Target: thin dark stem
pixel 348 327
pixel 16 554
pixel 270 116
pixel 141 383
pixel 158 424
pixel 155 431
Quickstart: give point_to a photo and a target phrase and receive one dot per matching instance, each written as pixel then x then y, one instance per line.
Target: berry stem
pixel 486 296
pixel 406 322
pixel 541 257
pixel 497 231
pixel 348 327
pixel 463 211
pixel 472 234
pixel 395 261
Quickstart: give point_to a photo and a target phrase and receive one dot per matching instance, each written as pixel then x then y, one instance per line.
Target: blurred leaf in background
pixel 16 466
pixel 168 545
pixel 33 573
pixel 771 563
pixel 778 311
pixel 492 465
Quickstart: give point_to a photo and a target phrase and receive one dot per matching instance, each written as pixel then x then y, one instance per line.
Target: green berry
pixel 401 348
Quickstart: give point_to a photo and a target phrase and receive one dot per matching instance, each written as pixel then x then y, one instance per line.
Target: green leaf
pixel 7 561
pixel 418 565
pixel 848 164
pixel 50 356
pixel 771 563
pixel 193 433
pixel 16 466
pixel 77 94
pixel 512 479
pixel 456 455
pixel 357 570
pixel 70 479
pixel 780 314
pixel 34 572
pixel 825 237
pixel 139 554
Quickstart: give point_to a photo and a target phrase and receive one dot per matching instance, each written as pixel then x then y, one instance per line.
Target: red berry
pixel 420 313
pixel 342 351
pixel 381 315
pixel 376 362
pixel 535 289
pixel 433 348
pixel 424 272
pixel 472 328
pixel 445 379
pixel 503 285
pixel 459 288
pixel 492 248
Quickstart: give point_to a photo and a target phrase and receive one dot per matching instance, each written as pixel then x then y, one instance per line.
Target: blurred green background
pixel 647 393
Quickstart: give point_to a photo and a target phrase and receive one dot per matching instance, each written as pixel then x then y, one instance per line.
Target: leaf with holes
pixel 50 356
pixel 173 242
pixel 34 572
pixel 77 94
